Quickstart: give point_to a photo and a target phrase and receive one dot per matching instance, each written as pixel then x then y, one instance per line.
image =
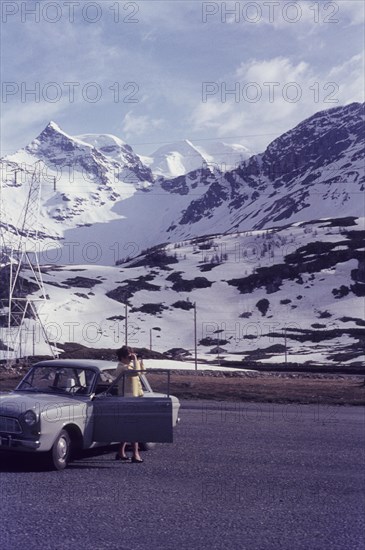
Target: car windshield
pixel 53 379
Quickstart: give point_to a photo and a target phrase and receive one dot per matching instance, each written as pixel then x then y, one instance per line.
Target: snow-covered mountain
pixel 175 159
pixel 314 170
pixel 301 286
pixel 226 156
pixel 87 183
pixel 182 157
pixel 96 190
pixel 79 184
pixel 274 246
pixel 120 152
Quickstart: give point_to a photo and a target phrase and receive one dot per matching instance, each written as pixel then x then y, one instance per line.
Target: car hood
pixel 15 403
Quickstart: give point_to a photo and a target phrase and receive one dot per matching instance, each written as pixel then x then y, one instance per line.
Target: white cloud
pixel 279 69
pixel 168 54
pixel 210 114
pixel 350 79
pixel 138 125
pixel 274 95
pixel 311 16
pixel 352 10
pixel 30 119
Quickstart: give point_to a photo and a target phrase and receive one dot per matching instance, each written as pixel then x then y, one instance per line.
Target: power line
pixel 173 140
pixel 216 138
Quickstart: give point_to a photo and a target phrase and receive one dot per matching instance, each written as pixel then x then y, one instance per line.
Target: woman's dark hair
pixel 124 352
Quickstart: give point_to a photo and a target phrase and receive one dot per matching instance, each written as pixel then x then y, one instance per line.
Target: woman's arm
pixel 136 383
pixel 136 365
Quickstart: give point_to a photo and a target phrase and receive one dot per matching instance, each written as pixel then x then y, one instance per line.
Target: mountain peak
pixel 52 131
pixel 53 126
pixel 176 159
pixel 103 141
pixel 52 139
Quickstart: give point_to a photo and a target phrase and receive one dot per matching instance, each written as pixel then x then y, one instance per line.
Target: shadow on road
pixel 13 462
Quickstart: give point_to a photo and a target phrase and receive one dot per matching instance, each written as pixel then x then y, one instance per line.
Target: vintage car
pixel 64 406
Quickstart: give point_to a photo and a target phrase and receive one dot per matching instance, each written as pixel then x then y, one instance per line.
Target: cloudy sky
pixel 153 72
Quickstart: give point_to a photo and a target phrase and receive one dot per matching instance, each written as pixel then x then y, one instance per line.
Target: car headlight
pixel 30 418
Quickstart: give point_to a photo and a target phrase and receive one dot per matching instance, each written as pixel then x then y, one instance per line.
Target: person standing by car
pixel 132 388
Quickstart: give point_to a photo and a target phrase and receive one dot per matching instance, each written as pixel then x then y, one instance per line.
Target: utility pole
pixel 286 349
pixel 126 325
pixel 150 339
pixel 195 340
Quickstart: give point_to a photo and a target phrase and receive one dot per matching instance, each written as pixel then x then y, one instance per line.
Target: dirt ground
pixel 250 387
pixel 267 387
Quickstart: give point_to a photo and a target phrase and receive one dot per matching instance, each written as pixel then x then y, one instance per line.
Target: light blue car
pixel 64 406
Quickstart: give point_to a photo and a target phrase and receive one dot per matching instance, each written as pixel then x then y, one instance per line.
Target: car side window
pixel 103 381
pixel 106 381
pixel 100 385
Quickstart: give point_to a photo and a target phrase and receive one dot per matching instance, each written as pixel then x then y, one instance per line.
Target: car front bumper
pixel 9 442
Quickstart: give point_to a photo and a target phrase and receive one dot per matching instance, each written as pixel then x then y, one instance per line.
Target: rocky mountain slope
pixel 293 293
pixel 96 189
pixel 314 170
pixel 272 251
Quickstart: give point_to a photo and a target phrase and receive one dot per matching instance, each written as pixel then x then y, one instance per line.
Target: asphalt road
pixel 238 476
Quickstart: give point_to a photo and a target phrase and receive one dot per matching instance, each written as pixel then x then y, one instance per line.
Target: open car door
pixel 144 419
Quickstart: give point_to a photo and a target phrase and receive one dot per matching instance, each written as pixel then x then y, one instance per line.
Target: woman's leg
pixel 136 454
pixel 121 450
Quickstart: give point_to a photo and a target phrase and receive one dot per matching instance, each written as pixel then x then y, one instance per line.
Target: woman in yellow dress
pixel 132 388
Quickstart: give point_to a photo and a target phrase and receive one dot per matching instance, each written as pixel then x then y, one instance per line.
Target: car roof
pixel 96 364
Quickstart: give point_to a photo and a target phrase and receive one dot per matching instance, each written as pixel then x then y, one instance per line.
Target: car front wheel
pixel 61 451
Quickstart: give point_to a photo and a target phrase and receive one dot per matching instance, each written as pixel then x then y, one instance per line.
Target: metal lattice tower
pixel 19 256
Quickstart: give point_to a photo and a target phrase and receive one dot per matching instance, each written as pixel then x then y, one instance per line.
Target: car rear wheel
pixel 61 451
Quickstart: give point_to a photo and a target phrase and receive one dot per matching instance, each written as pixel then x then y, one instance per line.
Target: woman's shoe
pixel 122 458
pixel 137 460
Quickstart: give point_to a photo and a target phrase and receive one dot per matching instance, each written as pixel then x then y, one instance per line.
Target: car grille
pixel 10 425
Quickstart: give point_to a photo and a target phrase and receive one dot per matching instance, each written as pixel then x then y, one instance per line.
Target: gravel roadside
pixel 250 386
